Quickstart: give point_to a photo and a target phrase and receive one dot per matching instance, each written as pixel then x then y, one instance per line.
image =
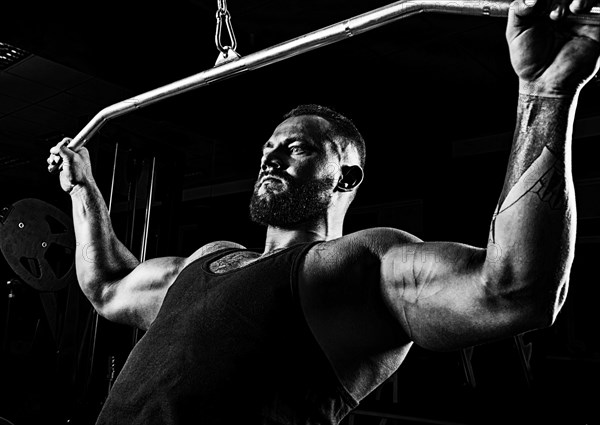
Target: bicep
pixel 440 295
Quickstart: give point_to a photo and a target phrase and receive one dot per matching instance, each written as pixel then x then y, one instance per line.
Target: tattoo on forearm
pixel 540 148
pixel 545 179
pixel 550 188
pixel 541 124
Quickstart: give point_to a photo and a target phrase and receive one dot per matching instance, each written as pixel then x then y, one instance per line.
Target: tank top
pixel 229 348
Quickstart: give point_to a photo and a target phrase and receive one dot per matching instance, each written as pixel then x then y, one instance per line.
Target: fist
pixel 551 54
pixel 75 166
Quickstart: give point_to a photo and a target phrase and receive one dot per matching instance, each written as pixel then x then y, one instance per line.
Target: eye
pixel 297 149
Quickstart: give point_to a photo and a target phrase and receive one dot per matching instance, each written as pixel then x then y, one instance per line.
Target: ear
pixel 352 176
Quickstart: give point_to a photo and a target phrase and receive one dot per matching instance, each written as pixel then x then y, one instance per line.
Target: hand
pixel 76 166
pixel 552 56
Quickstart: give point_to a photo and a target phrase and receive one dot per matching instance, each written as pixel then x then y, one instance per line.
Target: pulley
pixel 38 242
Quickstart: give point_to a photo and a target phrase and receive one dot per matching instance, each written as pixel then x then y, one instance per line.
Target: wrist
pixel 547 120
pixel 541 90
pixel 549 103
pixel 80 189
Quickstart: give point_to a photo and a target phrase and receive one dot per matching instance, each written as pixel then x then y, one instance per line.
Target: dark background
pixel 435 99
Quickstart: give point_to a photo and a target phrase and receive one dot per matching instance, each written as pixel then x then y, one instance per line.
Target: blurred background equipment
pixel 38 242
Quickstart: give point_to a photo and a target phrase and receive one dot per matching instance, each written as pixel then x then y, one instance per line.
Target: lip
pixel 264 179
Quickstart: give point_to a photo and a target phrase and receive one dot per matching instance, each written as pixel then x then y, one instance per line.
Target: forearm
pixel 532 234
pixel 100 257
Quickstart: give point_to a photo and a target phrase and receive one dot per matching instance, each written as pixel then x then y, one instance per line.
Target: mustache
pixel 274 173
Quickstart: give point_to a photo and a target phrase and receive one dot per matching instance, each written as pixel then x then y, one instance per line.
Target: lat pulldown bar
pixel 319 38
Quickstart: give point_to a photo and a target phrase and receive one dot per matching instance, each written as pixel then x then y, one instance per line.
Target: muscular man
pixel 301 332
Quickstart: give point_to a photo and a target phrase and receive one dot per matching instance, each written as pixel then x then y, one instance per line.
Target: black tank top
pixel 229 348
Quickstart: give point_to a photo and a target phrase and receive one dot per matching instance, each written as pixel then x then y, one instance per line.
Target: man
pixel 303 331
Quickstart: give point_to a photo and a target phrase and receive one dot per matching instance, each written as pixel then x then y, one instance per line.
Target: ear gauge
pixel 351 177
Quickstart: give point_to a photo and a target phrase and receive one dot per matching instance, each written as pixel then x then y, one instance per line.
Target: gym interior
pixel 435 99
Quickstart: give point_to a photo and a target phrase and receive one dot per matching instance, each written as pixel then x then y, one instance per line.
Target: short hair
pixel 341 126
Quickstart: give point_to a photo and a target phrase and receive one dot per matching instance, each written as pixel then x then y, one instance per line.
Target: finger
pixel 523 8
pixel 60 154
pixel 54 168
pixel 53 159
pixel 63 152
pixel 519 16
pixel 520 11
pixel 558 9
pixel 580 6
pixel 64 142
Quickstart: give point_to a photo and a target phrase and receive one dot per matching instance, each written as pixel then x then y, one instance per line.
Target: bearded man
pixel 301 332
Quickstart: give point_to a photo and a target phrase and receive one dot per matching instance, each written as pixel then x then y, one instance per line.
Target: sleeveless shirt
pixel 229 348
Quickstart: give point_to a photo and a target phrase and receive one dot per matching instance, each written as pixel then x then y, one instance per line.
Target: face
pixel 298 174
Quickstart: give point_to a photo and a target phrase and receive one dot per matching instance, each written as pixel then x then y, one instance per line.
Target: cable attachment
pixel 226 52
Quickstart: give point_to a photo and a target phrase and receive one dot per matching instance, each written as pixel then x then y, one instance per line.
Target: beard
pixel 286 208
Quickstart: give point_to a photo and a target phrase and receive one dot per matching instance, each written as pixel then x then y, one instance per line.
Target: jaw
pixel 295 205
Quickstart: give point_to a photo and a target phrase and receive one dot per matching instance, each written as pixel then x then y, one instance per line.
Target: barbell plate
pixel 38 242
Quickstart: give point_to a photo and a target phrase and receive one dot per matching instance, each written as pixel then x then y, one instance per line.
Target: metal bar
pixel 146 231
pixel 465 357
pixel 132 191
pixel 95 315
pixel 524 352
pixel 112 179
pixel 316 39
pixel 410 419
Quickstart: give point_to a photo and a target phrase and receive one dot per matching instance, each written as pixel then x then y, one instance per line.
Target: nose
pixel 272 160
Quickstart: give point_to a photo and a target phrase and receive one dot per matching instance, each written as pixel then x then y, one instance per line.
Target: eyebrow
pixel 290 140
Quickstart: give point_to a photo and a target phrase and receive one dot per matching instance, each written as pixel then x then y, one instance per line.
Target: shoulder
pixel 211 248
pixel 351 264
pixel 363 248
pixel 340 292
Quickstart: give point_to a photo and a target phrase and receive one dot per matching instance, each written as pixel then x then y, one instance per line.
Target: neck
pixel 278 238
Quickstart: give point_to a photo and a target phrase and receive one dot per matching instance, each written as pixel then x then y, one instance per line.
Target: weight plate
pixel 38 242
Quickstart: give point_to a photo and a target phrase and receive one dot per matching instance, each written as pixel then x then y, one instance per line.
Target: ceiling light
pixel 10 55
